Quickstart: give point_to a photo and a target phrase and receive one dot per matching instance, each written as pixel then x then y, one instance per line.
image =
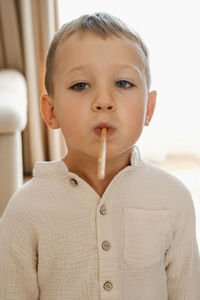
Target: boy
pixel 68 235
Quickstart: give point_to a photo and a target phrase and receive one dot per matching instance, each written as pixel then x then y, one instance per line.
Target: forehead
pixel 94 50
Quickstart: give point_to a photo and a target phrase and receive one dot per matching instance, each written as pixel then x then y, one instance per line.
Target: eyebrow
pixel 77 68
pixel 123 66
pixel 131 67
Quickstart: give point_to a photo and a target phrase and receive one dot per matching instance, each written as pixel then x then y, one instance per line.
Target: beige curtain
pixel 26 29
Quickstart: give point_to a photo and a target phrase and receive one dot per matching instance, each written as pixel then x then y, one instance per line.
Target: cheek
pixel 70 119
pixel 135 114
pixel 67 113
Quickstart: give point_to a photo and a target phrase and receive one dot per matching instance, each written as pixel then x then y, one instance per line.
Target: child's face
pixel 99 83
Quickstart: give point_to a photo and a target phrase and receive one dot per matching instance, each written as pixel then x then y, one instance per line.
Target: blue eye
pixel 80 86
pixel 124 84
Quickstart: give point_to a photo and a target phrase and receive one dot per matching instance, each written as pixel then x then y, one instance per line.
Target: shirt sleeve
pixel 182 257
pixel 18 258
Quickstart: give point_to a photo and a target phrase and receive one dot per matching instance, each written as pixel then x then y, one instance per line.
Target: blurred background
pixel 171 32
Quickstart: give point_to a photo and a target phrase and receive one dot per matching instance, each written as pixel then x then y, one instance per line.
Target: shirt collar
pixel 58 167
pixel 135 155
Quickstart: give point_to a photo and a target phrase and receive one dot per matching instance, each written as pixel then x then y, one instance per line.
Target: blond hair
pixel 102 24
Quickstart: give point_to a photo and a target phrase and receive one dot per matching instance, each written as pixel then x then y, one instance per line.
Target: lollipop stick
pixel 102 155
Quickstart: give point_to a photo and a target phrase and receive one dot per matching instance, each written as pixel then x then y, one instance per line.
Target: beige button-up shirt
pixel 59 240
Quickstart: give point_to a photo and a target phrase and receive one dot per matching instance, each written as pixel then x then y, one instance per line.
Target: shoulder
pixel 39 192
pixel 162 177
pixel 17 224
pixel 19 205
pixel 163 187
pixel 25 197
pixel 33 202
pixel 153 177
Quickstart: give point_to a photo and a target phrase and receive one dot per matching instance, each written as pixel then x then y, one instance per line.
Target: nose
pixel 103 102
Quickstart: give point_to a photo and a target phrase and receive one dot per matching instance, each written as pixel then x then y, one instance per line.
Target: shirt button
pixel 106 245
pixel 108 286
pixel 73 182
pixel 103 210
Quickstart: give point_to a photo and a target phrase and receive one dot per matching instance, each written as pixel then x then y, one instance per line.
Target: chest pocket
pixel 146 236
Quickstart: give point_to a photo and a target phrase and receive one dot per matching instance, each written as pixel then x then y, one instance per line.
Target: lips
pixel 110 129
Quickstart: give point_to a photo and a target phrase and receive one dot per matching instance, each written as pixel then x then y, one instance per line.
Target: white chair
pixel 13 119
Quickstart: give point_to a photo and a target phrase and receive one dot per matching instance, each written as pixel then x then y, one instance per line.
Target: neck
pixel 86 168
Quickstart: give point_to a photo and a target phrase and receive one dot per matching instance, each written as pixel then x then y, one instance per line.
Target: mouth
pixel 110 129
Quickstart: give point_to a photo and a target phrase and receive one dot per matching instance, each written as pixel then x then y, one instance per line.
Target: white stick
pixel 102 155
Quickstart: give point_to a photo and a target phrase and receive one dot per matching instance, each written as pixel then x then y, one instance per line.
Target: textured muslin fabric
pixel 59 240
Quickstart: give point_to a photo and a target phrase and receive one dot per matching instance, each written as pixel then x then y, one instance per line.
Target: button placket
pixel 108 277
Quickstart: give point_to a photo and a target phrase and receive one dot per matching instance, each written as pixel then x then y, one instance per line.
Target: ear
pixel 150 106
pixel 47 110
